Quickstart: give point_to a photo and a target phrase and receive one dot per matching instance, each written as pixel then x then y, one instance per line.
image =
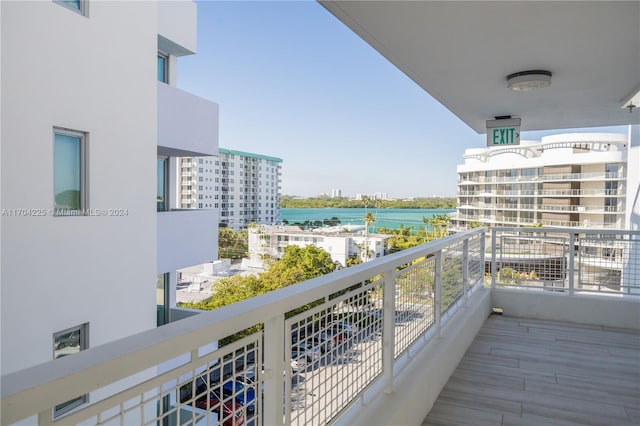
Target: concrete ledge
pixel 604 310
pixel 176 313
pixel 422 377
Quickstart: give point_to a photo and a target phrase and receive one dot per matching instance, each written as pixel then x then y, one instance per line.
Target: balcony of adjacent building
pixel 177 27
pixel 187 124
pixel 547 332
pixel 563 177
pixel 185 233
pixel 185 237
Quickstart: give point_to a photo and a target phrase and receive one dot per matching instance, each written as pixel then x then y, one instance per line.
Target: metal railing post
pixel 483 247
pixel 437 299
pixel 572 254
pixel 274 335
pixel 465 270
pixel 494 272
pixel 388 330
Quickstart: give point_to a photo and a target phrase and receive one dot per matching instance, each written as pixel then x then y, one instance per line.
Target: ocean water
pixel 386 218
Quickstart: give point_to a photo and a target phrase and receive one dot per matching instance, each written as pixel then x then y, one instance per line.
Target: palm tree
pixel 369 219
pixel 439 223
pixel 365 201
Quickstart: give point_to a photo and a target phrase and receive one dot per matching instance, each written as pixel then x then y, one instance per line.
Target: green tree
pixel 232 244
pixel 369 220
pixel 296 265
pixel 439 223
pixel 309 262
pixel 288 201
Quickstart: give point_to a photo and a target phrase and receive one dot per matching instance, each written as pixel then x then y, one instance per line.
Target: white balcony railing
pixel 544 192
pixel 566 260
pixel 390 303
pixel 315 352
pixel 475 180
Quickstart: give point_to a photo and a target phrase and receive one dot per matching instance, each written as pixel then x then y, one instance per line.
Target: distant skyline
pixel 295 83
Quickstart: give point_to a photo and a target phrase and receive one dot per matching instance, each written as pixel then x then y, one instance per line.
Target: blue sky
pixel 293 82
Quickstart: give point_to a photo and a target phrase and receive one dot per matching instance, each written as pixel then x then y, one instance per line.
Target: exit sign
pixel 503 132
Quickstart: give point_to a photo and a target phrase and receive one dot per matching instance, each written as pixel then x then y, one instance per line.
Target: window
pixel 79 6
pixel 68 342
pixel 162 187
pixel 163 68
pixel 69 171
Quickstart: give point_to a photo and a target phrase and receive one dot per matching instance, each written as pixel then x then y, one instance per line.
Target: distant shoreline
pixel 287 201
pixel 385 217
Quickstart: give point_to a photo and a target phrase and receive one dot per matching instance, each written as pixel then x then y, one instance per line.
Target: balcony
pixel 177 30
pixel 187 124
pixel 184 238
pixel 405 322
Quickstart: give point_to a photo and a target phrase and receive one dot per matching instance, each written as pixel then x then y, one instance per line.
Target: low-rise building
pixel 340 244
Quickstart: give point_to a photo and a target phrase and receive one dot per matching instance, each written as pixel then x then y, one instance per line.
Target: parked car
pixel 324 340
pixel 345 327
pixel 230 412
pixel 310 351
pixel 298 361
pixel 243 392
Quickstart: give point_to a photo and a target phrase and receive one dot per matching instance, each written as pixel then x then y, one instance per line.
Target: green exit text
pixel 504 136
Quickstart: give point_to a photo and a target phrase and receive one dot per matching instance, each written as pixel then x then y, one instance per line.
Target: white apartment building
pixel 86 259
pixel 341 245
pixel 249 188
pixel 564 180
pixel 199 188
pixel 374 196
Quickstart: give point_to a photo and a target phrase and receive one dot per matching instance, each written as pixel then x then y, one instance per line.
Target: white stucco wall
pixel 96 75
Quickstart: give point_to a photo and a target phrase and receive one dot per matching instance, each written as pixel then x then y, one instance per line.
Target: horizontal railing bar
pixel 560 230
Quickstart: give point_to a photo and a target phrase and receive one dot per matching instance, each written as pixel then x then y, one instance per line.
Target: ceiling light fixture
pixel 525 81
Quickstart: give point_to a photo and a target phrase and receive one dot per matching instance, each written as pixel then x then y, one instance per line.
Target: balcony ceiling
pixel 461 53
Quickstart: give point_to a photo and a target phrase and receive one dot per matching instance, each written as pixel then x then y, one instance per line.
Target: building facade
pixel 199 187
pixel 248 187
pixel 271 241
pixel 86 259
pixel 565 180
pixel 374 196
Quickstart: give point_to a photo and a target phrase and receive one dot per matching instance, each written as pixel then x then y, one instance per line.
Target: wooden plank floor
pixel 522 372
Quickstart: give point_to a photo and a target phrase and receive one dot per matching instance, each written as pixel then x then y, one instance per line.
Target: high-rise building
pixel 86 259
pixel 249 188
pixel 198 186
pixel 374 196
pixel 564 180
pixel 336 193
